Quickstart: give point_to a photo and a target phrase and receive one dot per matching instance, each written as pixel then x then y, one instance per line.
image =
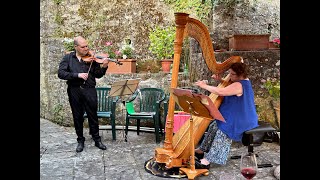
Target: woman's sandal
pixel 199 155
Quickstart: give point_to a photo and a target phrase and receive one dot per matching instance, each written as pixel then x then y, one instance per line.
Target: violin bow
pixel 88 71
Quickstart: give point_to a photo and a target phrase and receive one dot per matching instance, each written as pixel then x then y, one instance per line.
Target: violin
pixel 98 58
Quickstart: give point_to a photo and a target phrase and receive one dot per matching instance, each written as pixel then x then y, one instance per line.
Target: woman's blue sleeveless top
pixel 239 113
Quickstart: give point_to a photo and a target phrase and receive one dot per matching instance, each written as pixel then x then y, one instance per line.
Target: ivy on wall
pixel 57 1
pixel 58 17
pixel 227 3
pixel 87 12
pixel 201 9
pixel 228 7
pixel 58 114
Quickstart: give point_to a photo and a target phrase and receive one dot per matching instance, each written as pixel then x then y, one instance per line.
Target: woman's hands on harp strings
pixel 216 77
pixel 201 83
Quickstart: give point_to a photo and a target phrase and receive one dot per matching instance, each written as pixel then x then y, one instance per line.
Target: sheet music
pixel 202 105
pixel 124 87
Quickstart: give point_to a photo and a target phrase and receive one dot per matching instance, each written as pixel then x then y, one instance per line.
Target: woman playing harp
pixel 176 151
pixel 239 112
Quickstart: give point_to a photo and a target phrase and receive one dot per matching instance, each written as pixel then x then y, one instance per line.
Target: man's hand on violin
pixel 83 76
pixel 105 63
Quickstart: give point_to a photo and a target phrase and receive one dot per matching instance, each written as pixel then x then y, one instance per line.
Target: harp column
pixel 181 20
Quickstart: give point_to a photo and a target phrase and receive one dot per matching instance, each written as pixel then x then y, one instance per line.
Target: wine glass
pixel 248 165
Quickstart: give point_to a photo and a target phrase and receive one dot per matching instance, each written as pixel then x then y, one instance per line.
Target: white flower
pixel 124 56
pixel 127 50
pixel 67 40
pixel 68 44
pixel 127 46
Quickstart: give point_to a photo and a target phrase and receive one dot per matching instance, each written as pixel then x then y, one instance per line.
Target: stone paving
pixel 125 160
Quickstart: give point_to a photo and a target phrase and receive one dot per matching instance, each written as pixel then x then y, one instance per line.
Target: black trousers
pixel 84 100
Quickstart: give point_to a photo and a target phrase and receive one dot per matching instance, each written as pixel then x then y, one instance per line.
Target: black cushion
pixel 257 134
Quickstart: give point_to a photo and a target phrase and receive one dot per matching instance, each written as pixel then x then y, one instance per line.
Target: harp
pixel 175 151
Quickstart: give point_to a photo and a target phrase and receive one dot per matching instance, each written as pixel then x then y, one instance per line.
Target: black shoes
pixel 100 145
pixel 198 165
pixel 198 155
pixel 80 147
pixel 97 144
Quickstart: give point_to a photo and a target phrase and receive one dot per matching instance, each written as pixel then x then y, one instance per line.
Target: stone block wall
pixel 117 20
pixel 246 17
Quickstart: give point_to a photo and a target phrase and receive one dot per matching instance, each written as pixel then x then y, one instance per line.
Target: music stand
pixel 122 88
pixel 195 104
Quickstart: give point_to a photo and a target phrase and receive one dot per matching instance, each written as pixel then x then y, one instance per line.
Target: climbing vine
pixel 230 5
pixel 58 17
pixel 201 9
pixel 57 114
pixel 57 1
pixel 227 3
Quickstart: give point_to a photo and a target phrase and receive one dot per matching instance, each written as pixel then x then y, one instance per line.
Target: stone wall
pixel 248 17
pixel 263 64
pixel 120 19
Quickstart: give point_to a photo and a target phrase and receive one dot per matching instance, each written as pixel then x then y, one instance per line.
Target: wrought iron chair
pixel 106 108
pixel 147 102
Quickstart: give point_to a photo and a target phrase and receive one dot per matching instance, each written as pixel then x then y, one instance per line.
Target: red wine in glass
pixel 248 173
pixel 248 165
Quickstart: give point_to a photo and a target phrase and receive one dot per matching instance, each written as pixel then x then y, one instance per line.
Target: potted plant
pixel 273 87
pixel 68 45
pixel 111 51
pixel 161 45
pixel 274 44
pixel 127 49
pixel 124 55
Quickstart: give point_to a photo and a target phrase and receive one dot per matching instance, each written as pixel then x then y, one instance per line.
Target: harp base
pixel 192 173
pixel 159 169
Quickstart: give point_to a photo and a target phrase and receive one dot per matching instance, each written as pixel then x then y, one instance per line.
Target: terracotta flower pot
pixel 273 46
pixel 166 65
pixel 249 42
pixel 128 66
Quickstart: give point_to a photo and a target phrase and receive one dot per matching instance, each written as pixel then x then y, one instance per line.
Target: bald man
pixel 81 90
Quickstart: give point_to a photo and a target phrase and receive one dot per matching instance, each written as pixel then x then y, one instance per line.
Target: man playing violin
pixel 81 80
